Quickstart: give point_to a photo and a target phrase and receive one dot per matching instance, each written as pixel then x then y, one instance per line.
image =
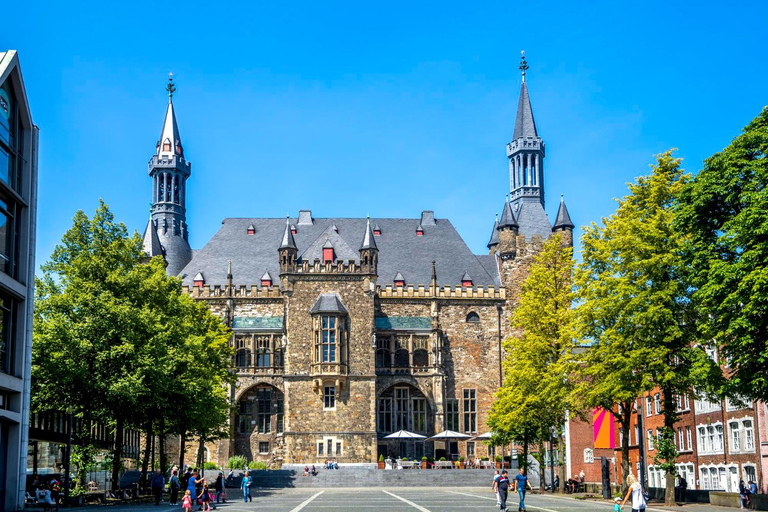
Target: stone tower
pixel 526 168
pixel 169 172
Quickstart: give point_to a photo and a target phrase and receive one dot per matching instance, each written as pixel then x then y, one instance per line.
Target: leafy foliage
pixel 635 311
pixel 121 342
pixel 534 396
pixel 237 462
pixel 724 210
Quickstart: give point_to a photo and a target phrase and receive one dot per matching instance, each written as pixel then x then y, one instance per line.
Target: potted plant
pixel 460 464
pixel 424 462
pixel 76 496
pixel 498 462
pixel 381 461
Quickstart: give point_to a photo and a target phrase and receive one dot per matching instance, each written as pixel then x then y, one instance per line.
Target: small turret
pixel 507 229
pixel 563 224
pixel 494 241
pixel 369 251
pixel 288 252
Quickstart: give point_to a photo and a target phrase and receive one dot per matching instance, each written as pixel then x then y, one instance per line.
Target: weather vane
pixel 523 65
pixel 170 87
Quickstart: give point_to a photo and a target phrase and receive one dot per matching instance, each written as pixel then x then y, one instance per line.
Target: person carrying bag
pixel 635 491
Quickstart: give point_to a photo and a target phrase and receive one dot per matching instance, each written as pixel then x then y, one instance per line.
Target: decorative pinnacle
pixel 171 88
pixel 523 64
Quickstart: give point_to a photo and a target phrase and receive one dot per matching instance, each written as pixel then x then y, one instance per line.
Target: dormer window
pixel 376 230
pixel 251 230
pixel 199 280
pixel 399 280
pixel 466 281
pixel 328 252
pixel 266 280
pixel 293 229
pixel 419 231
pixel 166 146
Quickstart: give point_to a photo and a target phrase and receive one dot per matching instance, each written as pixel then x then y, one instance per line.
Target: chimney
pixel 305 218
pixel 428 218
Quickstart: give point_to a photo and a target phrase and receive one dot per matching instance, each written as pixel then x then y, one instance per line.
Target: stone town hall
pixel 346 330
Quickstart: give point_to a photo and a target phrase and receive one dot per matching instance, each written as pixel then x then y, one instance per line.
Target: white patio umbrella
pixel 449 435
pixel 485 436
pixel 404 435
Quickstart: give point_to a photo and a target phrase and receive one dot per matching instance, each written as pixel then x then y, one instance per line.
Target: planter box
pixel 423 464
pixel 381 464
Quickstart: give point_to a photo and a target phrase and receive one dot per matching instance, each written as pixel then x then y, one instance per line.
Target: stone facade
pixel 331 355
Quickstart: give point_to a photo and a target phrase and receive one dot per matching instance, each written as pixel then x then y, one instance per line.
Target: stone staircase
pixel 369 476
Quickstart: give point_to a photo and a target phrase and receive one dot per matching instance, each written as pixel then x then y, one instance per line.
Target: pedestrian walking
pixel 635 492
pixel 521 485
pixel 246 487
pixel 192 484
pixel 157 484
pixel 495 486
pixel 502 484
pixel 204 496
pixel 175 487
pixel 219 486
pixel 186 502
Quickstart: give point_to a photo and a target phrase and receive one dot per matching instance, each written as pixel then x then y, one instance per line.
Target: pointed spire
pixel 328 244
pixel 507 217
pixel 151 243
pixel 563 220
pixel 287 242
pixel 170 140
pixel 525 126
pixel 369 242
pixel 494 241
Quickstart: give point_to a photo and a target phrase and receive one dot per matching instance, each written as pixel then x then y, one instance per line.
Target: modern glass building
pixel 18 205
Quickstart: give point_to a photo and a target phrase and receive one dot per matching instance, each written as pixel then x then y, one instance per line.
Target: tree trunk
pixel 670 417
pixel 145 459
pixel 624 419
pixel 117 454
pixel 161 442
pixel 200 452
pixel 524 463
pixel 182 449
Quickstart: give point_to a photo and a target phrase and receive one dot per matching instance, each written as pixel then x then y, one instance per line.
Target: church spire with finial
pixel 169 171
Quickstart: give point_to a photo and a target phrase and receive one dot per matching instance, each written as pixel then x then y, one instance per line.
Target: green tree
pixel 533 397
pixel 635 314
pixel 724 210
pixel 117 340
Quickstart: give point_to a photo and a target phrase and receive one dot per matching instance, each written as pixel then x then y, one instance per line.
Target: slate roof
pixel 151 243
pixel 532 218
pixel 329 303
pixel 525 126
pixel 494 234
pixel 400 250
pixel 394 323
pixel 563 219
pixel 507 216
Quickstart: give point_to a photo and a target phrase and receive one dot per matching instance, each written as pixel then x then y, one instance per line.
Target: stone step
pixel 373 477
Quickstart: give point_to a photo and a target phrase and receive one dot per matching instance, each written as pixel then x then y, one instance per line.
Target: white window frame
pixel 589 456
pixel 650 440
pixel 657 403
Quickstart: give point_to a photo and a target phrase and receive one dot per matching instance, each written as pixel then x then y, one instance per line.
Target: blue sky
pixel 385 109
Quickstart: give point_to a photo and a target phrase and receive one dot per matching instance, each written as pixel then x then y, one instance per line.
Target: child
pixel 204 496
pixel 186 503
pixel 617 504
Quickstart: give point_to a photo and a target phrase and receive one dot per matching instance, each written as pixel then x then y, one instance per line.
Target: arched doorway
pixel 259 422
pixel 404 407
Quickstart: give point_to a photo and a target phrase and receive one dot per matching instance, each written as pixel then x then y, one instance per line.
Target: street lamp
pixel 552 458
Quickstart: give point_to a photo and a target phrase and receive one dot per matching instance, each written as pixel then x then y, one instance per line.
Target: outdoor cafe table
pixel 443 464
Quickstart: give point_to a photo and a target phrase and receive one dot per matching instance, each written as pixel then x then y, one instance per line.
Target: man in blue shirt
pixel 521 484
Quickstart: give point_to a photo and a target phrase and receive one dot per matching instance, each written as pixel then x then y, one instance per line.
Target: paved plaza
pixel 401 499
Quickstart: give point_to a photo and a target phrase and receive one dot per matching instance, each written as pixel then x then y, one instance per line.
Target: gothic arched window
pixel 383 352
pixel 242 352
pixel 420 352
pixel 473 317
